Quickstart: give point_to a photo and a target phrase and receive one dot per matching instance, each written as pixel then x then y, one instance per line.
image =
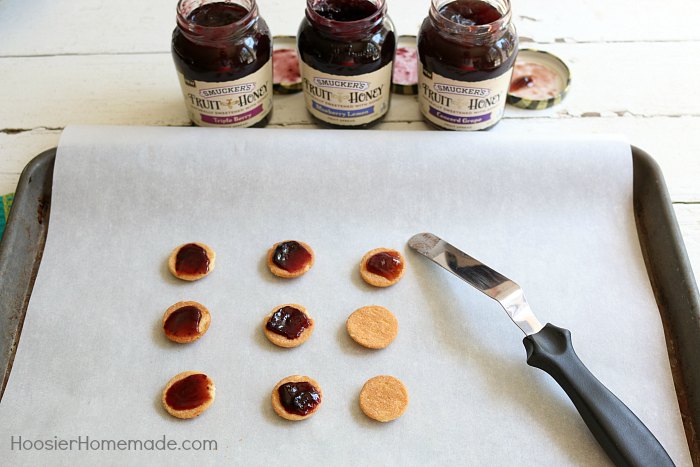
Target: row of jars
pixel 466 48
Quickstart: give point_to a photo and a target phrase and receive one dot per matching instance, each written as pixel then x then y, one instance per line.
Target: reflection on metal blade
pixel 478 275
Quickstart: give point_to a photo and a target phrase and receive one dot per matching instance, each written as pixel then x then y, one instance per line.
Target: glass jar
pixel 466 51
pixel 223 55
pixel 346 52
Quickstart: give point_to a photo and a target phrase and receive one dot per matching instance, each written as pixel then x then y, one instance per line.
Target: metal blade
pixel 478 275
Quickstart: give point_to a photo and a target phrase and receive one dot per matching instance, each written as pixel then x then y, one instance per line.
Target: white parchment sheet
pixel 555 215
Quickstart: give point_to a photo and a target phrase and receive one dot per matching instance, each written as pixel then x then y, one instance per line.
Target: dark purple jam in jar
pixel 467 49
pixel 223 55
pixel 346 52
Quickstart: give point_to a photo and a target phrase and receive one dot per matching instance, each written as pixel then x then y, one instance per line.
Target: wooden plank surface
pixel 665 138
pixel 688 216
pixel 634 64
pixel 143 89
pixel 104 62
pixel 42 27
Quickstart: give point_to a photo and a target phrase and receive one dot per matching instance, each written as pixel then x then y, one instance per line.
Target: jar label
pixel 462 105
pixel 347 100
pixel 240 103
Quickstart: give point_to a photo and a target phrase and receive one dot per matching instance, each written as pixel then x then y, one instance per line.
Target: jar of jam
pixel 466 49
pixel 346 51
pixel 223 55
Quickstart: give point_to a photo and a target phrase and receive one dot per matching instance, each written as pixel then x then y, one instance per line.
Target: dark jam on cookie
pixel 183 322
pixel 192 259
pixel 386 264
pixel 188 393
pixel 291 256
pixel 288 322
pixel 299 398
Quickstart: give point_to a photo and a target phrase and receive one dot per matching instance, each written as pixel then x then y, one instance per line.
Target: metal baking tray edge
pixel 21 249
pixel 667 263
pixel 675 289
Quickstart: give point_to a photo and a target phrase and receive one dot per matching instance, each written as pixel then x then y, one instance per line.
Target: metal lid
pixel 286 76
pixel 540 80
pixel 405 76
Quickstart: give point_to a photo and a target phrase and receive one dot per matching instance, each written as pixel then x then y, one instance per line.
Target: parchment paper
pixel 555 215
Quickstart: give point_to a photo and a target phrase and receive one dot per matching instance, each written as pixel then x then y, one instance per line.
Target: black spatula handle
pixel 622 435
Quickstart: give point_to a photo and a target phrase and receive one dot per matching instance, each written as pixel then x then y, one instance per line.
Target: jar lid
pixel 286 78
pixel 540 80
pixel 405 77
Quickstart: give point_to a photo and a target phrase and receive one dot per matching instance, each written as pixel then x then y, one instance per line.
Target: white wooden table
pixel 635 67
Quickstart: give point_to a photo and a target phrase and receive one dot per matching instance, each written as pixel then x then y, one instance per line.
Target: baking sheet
pixel 20 253
pixel 554 215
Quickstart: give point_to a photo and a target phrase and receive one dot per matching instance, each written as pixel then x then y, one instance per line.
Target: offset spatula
pixel 622 435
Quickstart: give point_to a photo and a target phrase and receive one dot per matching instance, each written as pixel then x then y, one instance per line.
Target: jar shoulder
pixel 346 55
pixel 223 60
pixel 454 58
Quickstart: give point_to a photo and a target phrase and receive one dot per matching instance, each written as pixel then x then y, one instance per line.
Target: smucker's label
pixel 347 100
pixel 238 103
pixel 462 105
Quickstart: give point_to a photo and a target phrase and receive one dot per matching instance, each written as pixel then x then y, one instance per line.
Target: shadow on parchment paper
pixel 458 339
pixel 349 346
pixel 159 335
pixel 358 281
pixel 265 273
pixel 165 273
pixel 158 405
pixel 272 417
pixel 363 420
pixel 163 342
pixel 263 342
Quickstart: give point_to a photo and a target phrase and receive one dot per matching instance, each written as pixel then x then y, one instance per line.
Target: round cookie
pixel 188 394
pixel 391 257
pixel 186 322
pixel 191 261
pixel 372 326
pixel 298 254
pixel 307 401
pixel 294 331
pixel 384 398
